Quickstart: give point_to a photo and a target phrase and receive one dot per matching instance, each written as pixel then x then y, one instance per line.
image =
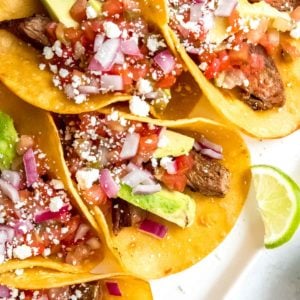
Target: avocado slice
pixel 176 144
pixel 8 140
pixel 173 206
pixel 60 11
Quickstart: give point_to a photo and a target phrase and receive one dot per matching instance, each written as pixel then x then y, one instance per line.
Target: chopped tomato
pixel 88 30
pixel 148 144
pixel 234 21
pixel 137 71
pixel 296 14
pixel 270 41
pixel 78 10
pixel 73 35
pixel 166 82
pixel 224 60
pixel 256 34
pixel 72 226
pixel 95 195
pixel 184 163
pixel 213 69
pixel 176 182
pixel 36 242
pixel 207 57
pixel 241 55
pixel 113 7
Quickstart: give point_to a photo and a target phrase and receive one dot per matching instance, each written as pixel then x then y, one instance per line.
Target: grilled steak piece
pixel 31 30
pixel 281 4
pixel 125 214
pixel 208 176
pixel 265 89
pixel 90 291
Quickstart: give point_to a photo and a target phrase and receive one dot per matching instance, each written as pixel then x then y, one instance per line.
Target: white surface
pixel 240 268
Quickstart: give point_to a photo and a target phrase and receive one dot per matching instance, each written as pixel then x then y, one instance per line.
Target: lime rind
pixel 293 192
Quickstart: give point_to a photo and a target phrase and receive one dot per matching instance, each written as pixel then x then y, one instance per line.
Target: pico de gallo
pixel 235 49
pixel 104 153
pixel 112 50
pixel 36 214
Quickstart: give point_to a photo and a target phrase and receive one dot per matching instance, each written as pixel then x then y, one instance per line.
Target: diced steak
pixel 90 291
pixel 208 176
pixel 265 89
pixel 125 214
pixel 31 30
pixel 281 4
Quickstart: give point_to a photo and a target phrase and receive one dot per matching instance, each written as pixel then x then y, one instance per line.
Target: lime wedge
pixel 278 198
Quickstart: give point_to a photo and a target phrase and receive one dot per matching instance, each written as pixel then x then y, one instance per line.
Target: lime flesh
pixel 278 198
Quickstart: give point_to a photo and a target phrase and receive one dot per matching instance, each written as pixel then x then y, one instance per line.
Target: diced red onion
pixel 81 232
pixel 113 288
pixel 108 184
pixel 106 54
pixel 69 90
pixel 99 39
pixel 192 50
pixel 131 167
pixel 197 146
pixel 4 292
pixel 130 146
pixel 120 58
pixel 154 228
pixel 88 89
pixel 50 215
pixel 7 234
pixel 2 251
pixel 225 8
pixel 10 191
pixel 165 61
pixel 211 153
pixel 30 167
pixel 130 47
pixel 205 143
pixel 146 189
pixel 12 177
pixel 93 243
pixel 94 65
pixel 151 95
pixel 111 82
pixel 136 177
pixel 196 12
pixel 23 227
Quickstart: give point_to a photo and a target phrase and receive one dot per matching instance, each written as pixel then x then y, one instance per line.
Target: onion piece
pixel 9 191
pixel 4 292
pixel 88 89
pixel 113 288
pixel 130 47
pixel 205 143
pixel 108 184
pixel 165 61
pixel 107 53
pixel 171 167
pixel 156 229
pixel 7 234
pixel 23 227
pixel 12 177
pixel 136 177
pixel 146 189
pixel 99 39
pixel 50 215
pixel 30 167
pixel 196 12
pixel 131 167
pixel 81 232
pixel 120 58
pixel 225 8
pixel 197 146
pixel 211 153
pixel 94 65
pixel 111 82
pixel 130 146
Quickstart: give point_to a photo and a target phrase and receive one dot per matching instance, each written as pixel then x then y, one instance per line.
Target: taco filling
pixel 111 49
pixel 233 44
pixel 134 170
pixel 36 214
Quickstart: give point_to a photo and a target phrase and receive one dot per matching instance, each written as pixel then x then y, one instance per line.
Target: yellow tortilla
pixel 32 121
pixel 149 257
pixel 224 105
pixel 34 279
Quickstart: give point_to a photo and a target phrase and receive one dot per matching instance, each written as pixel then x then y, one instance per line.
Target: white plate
pixel 221 275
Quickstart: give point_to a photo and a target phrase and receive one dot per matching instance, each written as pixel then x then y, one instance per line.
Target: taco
pixel 243 58
pixel 37 284
pixel 105 53
pixel 42 224
pixel 156 188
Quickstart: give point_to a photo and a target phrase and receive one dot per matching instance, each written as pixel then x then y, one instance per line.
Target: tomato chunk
pixel 175 182
pixel 184 164
pixel 95 195
pixel 112 7
pixel 78 9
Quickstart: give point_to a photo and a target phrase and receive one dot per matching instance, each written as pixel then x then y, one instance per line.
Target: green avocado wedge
pixel 8 140
pixel 173 206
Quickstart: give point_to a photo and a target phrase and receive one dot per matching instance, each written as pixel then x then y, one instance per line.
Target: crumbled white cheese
pixel 139 107
pixel 57 184
pixel 254 23
pixel 63 73
pixel 57 48
pixel 163 141
pixel 80 98
pixel 46 252
pixel 165 161
pixel 295 32
pixel 144 86
pixel 22 252
pixel 154 162
pixel 56 204
pixel 48 53
pixel 19 272
pixel 111 30
pixel 152 44
pixel 42 66
pixel 86 177
pixel 91 13
pixel 53 68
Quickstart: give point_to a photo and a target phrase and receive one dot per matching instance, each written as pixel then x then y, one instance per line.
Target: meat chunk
pixel 90 291
pixel 31 30
pixel 281 4
pixel 265 89
pixel 208 176
pixel 125 215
